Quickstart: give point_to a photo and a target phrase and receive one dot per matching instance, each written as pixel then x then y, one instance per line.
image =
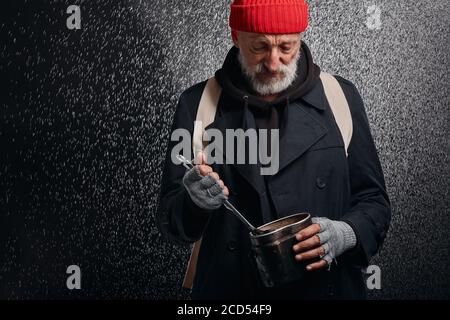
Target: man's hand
pixel 325 239
pixel 204 186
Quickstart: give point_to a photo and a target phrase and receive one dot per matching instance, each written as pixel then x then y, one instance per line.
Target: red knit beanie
pixel 269 16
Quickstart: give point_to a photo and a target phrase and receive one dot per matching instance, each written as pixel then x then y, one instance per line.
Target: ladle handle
pixel 238 215
pixel 188 164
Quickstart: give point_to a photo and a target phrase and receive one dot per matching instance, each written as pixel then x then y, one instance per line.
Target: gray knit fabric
pixel 204 191
pixel 335 236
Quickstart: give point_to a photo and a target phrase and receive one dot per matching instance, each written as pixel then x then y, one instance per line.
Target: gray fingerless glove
pixel 335 236
pixel 204 191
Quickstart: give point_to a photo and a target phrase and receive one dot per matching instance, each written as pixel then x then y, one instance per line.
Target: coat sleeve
pixel 370 211
pixel 178 218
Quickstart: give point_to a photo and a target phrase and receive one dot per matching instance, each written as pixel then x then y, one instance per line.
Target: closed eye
pixel 286 49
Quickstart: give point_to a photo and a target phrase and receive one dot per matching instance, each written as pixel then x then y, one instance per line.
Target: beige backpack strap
pixel 339 106
pixel 192 265
pixel 205 116
pixel 205 113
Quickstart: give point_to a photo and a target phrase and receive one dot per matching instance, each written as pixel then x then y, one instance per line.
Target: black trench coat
pixel 314 176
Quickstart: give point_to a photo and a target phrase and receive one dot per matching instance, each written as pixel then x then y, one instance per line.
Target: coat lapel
pixel 302 130
pixel 303 126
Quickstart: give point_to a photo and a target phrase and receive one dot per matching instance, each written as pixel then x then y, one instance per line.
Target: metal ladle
pixel 188 164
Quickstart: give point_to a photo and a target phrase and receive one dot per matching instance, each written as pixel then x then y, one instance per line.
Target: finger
pixel 226 192
pixel 322 222
pixel 324 236
pixel 326 248
pixel 328 258
pixel 214 190
pixel 317 265
pixel 199 158
pixel 221 184
pixel 214 175
pixel 204 169
pixel 207 182
pixel 307 232
pixel 309 243
pixel 192 174
pixel 311 254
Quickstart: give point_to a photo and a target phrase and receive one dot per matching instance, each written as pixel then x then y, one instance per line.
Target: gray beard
pixel 273 86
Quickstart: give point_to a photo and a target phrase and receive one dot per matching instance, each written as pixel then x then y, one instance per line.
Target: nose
pixel 273 60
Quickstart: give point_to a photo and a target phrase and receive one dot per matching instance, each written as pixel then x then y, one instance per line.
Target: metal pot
pixel 273 251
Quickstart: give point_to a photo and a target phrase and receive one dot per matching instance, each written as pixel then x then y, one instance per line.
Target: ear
pixel 234 37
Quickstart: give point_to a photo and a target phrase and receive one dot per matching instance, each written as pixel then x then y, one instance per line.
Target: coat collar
pixel 316 96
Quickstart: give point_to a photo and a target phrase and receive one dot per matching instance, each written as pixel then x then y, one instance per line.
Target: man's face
pixel 269 61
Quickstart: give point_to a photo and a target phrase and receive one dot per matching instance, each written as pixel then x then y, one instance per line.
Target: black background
pixel 85 118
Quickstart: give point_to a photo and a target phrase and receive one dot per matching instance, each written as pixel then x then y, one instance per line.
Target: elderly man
pixel 269 81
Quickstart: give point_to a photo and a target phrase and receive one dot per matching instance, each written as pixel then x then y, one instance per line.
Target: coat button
pixel 232 245
pixel 321 182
